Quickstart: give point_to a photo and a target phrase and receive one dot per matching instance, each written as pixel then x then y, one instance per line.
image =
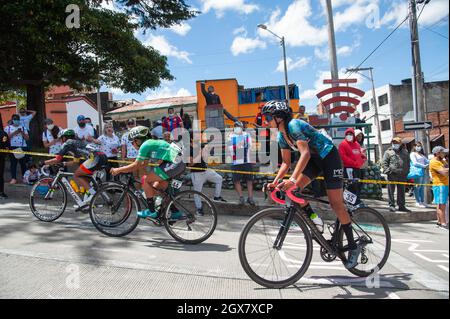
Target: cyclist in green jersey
pixel 169 158
pixel 318 155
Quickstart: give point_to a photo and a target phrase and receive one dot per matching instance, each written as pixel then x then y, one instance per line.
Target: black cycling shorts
pixel 94 164
pixel 331 167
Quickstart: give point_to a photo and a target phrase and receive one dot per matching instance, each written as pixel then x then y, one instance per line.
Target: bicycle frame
pixel 294 208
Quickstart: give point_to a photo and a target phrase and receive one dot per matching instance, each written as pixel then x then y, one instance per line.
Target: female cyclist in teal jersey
pixel 318 155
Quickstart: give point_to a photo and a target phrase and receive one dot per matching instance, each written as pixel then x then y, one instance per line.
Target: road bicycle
pixel 113 210
pixel 276 244
pixel 48 196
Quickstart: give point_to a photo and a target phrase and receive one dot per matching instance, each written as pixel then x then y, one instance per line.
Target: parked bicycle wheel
pixel 47 203
pixel 266 265
pixel 113 210
pixel 190 227
pixel 371 230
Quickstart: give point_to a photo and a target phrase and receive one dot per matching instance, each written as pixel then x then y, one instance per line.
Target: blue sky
pixel 224 42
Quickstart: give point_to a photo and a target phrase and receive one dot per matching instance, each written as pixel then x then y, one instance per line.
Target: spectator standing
pixel 353 159
pixel 439 173
pixel 128 150
pixel 25 119
pixel 301 115
pixel 396 167
pixel 358 119
pixel 359 137
pixel 4 145
pixel 18 137
pixel 110 145
pixel 200 174
pixel 50 137
pixel 82 130
pixel 240 146
pixel 89 122
pixel 419 162
pixel 210 96
pixel 157 131
pixel 187 122
pixel 172 123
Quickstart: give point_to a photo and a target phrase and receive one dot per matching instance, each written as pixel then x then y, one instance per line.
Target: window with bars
pixel 383 100
pixel 366 107
pixel 385 125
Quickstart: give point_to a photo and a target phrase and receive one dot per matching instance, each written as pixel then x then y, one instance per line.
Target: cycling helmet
pixel 140 132
pixel 277 108
pixel 68 133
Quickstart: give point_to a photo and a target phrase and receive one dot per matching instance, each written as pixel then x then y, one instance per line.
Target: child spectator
pixel 32 175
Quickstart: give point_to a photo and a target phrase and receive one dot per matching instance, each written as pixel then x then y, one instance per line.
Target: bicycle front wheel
pixel 370 230
pixel 47 203
pixel 113 210
pixel 195 217
pixel 266 265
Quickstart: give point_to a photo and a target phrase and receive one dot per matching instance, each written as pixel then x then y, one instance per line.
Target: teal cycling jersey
pixel 299 130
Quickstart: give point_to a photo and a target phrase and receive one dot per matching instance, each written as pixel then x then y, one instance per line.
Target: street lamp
pixel 286 85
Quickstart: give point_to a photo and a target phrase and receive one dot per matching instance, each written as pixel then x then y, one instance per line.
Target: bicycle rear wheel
pixel 266 265
pixel 191 227
pixel 47 203
pixel 372 231
pixel 113 210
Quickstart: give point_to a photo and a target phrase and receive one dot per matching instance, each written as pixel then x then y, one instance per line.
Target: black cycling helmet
pixel 277 108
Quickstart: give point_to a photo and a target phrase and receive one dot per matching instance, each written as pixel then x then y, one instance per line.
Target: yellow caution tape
pixel 364 181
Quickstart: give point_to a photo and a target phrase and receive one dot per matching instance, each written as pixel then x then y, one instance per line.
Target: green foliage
pixel 38 49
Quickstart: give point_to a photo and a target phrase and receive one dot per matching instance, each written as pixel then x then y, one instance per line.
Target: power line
pixel 438 33
pixel 382 42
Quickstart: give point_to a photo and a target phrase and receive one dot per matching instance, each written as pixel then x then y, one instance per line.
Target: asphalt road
pixel 70 259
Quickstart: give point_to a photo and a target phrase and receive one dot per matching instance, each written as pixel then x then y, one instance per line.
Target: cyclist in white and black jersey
pixel 94 159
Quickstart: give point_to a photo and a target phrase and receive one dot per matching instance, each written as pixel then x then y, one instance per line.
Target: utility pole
pixel 286 83
pixel 332 46
pixel 417 78
pixel 375 106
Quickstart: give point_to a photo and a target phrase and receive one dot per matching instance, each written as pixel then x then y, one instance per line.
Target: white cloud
pixel 432 13
pixel 166 92
pixel 161 44
pixel 295 26
pixel 181 29
pixel 221 6
pixel 293 64
pixel 242 45
pixel 344 51
pixel 242 30
pixel 355 14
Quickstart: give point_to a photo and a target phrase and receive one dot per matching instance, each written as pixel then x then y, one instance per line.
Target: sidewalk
pixel 232 207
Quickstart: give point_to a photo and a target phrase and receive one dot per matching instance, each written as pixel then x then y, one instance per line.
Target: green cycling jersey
pixel 158 149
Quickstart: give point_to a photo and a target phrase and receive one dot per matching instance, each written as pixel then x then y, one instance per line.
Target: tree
pixel 39 50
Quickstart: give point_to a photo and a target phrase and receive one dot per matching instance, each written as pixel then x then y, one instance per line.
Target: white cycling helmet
pixel 140 132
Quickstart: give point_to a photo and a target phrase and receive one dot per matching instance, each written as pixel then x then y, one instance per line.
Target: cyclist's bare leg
pixel 152 183
pixel 81 178
pixel 335 196
pixel 303 181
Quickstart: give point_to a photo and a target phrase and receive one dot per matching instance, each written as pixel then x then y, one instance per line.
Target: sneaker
pixel 425 205
pixel 241 201
pixel 220 199
pixel 3 196
pixel 392 209
pixel 353 256
pixel 404 209
pixel 442 226
pixel 251 202
pixel 147 213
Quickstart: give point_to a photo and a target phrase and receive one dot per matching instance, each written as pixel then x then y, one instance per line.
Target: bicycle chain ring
pixel 364 258
pixel 327 257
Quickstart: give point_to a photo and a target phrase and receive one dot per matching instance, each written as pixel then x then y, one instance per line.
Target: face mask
pixel 82 124
pixel 349 138
pixel 418 148
pixel 16 122
pixel 50 126
pixel 171 115
pixel 396 146
pixel 238 130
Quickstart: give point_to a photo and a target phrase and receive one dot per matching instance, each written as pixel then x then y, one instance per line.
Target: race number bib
pixel 349 197
pixel 176 184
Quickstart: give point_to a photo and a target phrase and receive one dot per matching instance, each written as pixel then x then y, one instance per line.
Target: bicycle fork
pixel 279 240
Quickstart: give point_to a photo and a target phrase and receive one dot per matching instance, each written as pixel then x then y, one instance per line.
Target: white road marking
pixel 429 259
pixel 393 295
pixel 443 268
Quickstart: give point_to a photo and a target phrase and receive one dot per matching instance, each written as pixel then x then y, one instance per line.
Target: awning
pixel 407 140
